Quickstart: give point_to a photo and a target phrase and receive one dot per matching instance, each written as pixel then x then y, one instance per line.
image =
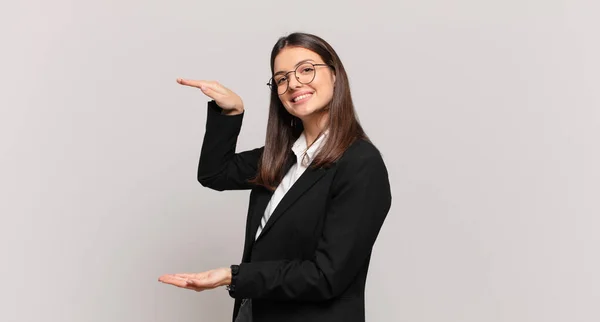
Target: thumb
pixel 209 91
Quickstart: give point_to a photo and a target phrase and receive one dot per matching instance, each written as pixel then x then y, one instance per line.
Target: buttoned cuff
pixel 234 276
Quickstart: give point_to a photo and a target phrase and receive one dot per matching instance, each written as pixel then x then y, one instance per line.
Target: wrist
pixel 234 111
pixel 227 280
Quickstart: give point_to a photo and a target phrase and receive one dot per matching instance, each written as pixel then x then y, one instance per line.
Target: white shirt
pixel 293 174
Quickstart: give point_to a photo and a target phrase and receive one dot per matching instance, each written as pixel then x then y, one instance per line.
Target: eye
pixel 306 69
pixel 280 80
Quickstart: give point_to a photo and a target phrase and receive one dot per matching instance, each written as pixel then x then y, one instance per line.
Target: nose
pixel 293 82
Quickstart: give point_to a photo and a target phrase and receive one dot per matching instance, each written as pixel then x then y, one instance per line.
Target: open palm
pixel 223 96
pixel 199 281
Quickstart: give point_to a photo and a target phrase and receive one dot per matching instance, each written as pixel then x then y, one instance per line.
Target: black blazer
pixel 310 262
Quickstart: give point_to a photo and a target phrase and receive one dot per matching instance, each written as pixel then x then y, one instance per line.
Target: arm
pixel 359 205
pixel 220 168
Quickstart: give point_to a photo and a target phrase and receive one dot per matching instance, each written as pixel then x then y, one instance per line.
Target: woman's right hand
pixel 229 101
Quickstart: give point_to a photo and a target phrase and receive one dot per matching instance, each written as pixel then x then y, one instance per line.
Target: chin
pixel 301 111
pixel 304 113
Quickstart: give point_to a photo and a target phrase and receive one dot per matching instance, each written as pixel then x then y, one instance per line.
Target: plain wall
pixel 487 114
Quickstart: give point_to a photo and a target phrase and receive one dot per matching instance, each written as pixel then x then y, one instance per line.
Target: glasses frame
pixel 273 86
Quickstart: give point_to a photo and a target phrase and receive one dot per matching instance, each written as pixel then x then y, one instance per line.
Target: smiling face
pixel 304 101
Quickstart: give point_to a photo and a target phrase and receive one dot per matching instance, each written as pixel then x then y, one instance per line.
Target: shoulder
pixel 362 147
pixel 362 156
pixel 361 150
pixel 361 169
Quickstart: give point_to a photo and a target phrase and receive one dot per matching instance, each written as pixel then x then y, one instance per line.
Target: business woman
pixel 319 192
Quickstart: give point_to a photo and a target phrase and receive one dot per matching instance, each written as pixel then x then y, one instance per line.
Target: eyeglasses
pixel 304 73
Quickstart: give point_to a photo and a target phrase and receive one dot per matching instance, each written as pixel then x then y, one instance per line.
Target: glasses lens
pixel 305 73
pixel 279 83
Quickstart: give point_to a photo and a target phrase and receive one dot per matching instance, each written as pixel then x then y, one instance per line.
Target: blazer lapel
pixel 304 182
pixel 262 200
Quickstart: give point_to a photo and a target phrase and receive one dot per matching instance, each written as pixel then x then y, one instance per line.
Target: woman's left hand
pixel 199 281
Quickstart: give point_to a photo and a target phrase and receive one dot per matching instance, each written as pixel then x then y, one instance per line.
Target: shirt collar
pixel 299 147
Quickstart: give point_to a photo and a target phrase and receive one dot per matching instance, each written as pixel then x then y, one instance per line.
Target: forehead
pixel 288 57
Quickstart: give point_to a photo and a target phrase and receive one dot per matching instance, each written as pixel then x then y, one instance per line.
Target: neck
pixel 314 125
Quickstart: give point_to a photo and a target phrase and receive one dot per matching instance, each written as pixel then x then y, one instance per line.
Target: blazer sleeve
pixel 220 168
pixel 358 207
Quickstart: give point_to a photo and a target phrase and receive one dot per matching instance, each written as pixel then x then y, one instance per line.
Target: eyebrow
pixel 300 62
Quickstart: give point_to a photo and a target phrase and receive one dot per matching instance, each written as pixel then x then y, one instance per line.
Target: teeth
pixel 301 97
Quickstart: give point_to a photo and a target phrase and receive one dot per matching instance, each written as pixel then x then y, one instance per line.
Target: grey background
pixel 487 113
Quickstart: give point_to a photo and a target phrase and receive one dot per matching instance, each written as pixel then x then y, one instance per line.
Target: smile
pixel 302 98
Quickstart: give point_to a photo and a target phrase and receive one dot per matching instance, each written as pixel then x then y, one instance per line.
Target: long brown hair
pixel 283 129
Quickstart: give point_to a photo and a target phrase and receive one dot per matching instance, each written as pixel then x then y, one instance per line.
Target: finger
pixel 186 275
pixel 175 276
pixel 187 286
pixel 203 85
pixel 197 289
pixel 174 280
pixel 176 283
pixel 192 83
pixel 182 282
pixel 195 283
pixel 213 89
pixel 210 91
pixel 218 87
pixel 204 283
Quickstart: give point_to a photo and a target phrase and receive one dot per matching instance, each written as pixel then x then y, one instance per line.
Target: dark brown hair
pixel 283 129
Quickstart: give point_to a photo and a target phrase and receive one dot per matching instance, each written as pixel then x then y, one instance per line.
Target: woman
pixel 319 192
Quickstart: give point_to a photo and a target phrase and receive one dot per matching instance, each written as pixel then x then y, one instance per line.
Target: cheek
pixel 284 99
pixel 325 86
pixel 326 90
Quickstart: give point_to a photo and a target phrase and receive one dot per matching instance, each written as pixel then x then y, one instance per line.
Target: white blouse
pixel 293 174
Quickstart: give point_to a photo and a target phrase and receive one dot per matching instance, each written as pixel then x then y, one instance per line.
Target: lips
pixel 301 96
